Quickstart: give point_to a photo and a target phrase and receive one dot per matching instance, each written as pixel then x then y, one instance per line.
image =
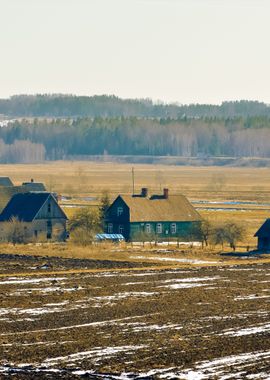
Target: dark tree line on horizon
pixel 106 106
pixel 61 138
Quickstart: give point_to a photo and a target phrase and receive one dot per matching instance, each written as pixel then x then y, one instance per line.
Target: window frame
pixel 110 228
pixel 120 211
pixel 148 228
pixel 159 228
pixel 173 228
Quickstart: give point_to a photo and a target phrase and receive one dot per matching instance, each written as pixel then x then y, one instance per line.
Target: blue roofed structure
pixel 109 237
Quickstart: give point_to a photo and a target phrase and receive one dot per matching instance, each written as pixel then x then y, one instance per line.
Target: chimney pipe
pixel 166 193
pixel 144 192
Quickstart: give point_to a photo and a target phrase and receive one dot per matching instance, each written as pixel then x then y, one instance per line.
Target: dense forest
pixel 112 106
pixel 63 138
pixel 66 127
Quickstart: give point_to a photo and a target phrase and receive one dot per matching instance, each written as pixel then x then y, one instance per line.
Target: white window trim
pixel 120 210
pixel 110 228
pixel 173 228
pixel 148 228
pixel 121 229
pixel 159 228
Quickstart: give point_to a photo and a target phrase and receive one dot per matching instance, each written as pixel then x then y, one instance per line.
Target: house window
pixel 121 229
pixel 173 228
pixel 110 228
pixel 49 207
pixel 148 228
pixel 159 228
pixel 119 211
pixel 36 233
pixel 49 229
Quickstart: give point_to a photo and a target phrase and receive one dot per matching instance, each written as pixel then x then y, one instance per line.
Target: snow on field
pixel 95 355
pixel 89 324
pixel 258 329
pixel 228 367
pixel 188 261
pixel 22 280
pixel 250 297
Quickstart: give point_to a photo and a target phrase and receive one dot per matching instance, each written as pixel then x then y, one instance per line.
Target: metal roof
pixel 109 237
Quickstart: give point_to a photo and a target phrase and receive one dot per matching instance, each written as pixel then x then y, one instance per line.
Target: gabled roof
pixel 264 230
pixel 176 208
pixel 25 206
pixel 5 181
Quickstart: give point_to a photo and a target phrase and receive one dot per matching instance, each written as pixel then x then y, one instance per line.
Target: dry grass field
pixel 238 194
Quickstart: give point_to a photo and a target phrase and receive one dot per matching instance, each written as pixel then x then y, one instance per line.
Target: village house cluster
pixel 132 217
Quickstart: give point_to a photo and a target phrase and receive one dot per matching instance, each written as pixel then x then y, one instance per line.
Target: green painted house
pixel 161 216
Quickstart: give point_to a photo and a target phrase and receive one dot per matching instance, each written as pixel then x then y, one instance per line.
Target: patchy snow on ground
pixel 258 329
pixel 188 261
pixel 17 280
pixel 94 355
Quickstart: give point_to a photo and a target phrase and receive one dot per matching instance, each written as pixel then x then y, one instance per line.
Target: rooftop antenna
pixel 133 181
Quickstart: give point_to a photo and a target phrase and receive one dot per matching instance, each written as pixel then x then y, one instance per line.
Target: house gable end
pixel 50 210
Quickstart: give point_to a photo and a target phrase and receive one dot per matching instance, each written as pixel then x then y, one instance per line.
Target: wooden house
pixel 39 211
pixel 164 216
pixel 263 235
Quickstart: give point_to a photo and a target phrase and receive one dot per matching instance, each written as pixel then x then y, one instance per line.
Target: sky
pixel 185 51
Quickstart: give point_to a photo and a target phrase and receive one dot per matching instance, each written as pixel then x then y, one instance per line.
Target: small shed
pixel 263 235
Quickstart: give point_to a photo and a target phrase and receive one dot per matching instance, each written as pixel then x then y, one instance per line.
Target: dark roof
pixel 34 186
pixel 176 208
pixel 264 230
pixel 24 206
pixel 6 193
pixel 5 181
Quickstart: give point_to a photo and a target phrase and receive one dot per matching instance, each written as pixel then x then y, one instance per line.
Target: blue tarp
pixel 112 237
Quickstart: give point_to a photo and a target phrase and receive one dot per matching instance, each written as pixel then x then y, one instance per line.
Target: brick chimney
pixel 144 192
pixel 166 193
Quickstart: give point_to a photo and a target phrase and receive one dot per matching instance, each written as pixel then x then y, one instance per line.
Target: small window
pixel 49 207
pixel 110 228
pixel 148 228
pixel 119 211
pixel 159 228
pixel 36 233
pixel 173 228
pixel 121 229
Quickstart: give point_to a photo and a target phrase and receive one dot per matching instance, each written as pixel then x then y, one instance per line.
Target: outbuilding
pixel 263 235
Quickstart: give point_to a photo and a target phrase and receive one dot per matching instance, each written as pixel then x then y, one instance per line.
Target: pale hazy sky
pixel 172 50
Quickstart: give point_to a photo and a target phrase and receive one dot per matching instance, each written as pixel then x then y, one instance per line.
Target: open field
pixel 89 178
pixel 218 193
pixel 129 321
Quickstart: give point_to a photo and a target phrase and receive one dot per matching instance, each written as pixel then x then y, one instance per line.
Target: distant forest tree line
pixel 111 106
pixel 60 138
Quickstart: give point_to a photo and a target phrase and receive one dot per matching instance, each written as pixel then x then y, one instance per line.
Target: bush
pixel 84 225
